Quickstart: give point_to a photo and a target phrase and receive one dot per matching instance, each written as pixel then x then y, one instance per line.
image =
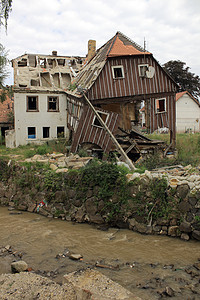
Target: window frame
pixel 43 128
pixel 142 66
pixel 157 106
pixel 63 127
pixel 117 67
pixel 57 104
pixel 31 138
pixel 95 118
pixel 27 104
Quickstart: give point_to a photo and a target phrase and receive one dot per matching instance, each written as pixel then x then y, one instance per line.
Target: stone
pixel 173 231
pixel 19 266
pixel 173 222
pixel 196 235
pixel 182 190
pixel 185 227
pixel 79 215
pixel 92 285
pixel 53 167
pixel 185 237
pixel 75 256
pixel 96 219
pixel 133 177
pixel 184 206
pixel 91 206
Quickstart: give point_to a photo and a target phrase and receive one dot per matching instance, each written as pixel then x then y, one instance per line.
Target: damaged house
pixel 115 81
pixel 39 96
pixel 96 100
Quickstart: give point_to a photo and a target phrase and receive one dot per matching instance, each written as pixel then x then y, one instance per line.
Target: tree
pixel 5 9
pixel 186 80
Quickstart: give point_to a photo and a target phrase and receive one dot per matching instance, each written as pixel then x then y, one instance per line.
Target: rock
pixel 63 170
pixel 185 237
pixel 185 227
pixel 182 190
pixel 184 206
pixel 173 231
pixel 7 247
pixel 169 291
pixel 196 235
pixel 19 266
pixel 90 205
pixel 53 167
pixel 133 176
pixel 75 256
pixel 92 285
pixel 96 219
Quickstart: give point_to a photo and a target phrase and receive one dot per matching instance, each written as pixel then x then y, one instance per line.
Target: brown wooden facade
pixel 123 95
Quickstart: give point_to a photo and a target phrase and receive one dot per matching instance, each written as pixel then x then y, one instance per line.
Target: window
pixel 143 69
pixel 32 103
pixel 117 72
pixel 46 132
pixel 31 133
pixel 60 132
pixel 53 104
pixel 104 117
pixel 160 105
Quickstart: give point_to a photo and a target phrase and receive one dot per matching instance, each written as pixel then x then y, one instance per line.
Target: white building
pixel 187 113
pixel 39 116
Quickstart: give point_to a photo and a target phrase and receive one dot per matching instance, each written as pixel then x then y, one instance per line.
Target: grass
pixel 30 150
pixel 187 145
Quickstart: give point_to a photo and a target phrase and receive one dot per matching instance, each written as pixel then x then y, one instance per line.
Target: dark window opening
pixel 118 72
pixel 160 105
pixel 60 132
pixel 53 104
pixel 103 117
pixel 46 132
pixel 61 61
pixel 22 62
pixel 43 62
pixel 32 103
pixel 31 133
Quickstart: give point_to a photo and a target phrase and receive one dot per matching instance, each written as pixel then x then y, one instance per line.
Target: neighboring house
pixel 116 80
pixel 187 113
pixel 6 113
pixel 39 96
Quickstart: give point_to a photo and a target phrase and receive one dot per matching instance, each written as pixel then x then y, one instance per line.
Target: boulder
pixel 173 231
pixel 185 227
pixel 196 235
pixel 19 266
pixel 185 237
pixel 182 191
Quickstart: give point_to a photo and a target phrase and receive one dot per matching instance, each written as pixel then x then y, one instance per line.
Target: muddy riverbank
pixel 152 267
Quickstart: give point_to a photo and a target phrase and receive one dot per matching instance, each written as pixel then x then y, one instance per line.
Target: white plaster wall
pixel 187 114
pixel 40 119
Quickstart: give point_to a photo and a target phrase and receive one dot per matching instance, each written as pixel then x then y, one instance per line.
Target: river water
pixel 142 259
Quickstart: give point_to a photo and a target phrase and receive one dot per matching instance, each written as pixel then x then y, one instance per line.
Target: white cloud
pixel 171 28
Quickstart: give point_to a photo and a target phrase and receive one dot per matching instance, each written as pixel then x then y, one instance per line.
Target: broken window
pixel 60 132
pixel 43 62
pixel 35 82
pixel 53 104
pixel 103 116
pixel 22 62
pixel 31 132
pixel 46 132
pixel 160 105
pixel 32 103
pixel 61 61
pixel 117 72
pixel 143 69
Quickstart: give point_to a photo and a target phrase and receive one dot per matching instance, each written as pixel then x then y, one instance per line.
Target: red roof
pixel 120 49
pixel 5 108
pixel 179 95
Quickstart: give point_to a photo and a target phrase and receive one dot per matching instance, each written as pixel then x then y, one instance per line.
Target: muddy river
pixel 144 264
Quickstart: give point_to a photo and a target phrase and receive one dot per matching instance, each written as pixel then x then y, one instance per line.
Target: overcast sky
pixel 171 28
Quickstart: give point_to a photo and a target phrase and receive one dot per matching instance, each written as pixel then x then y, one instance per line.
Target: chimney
pixel 91 49
pixel 54 53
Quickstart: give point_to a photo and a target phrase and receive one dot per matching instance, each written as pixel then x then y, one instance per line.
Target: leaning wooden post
pixel 119 148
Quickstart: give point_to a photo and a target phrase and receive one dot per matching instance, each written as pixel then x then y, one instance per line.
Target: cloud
pixel 170 28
